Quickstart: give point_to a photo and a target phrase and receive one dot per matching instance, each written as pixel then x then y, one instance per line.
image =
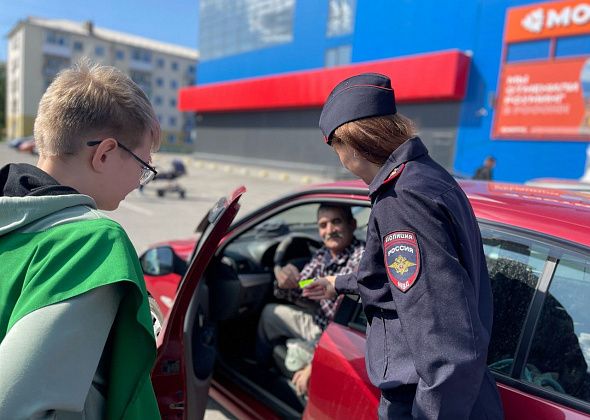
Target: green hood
pixel 26 212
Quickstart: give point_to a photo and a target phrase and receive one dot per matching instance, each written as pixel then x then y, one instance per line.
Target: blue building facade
pixel 382 29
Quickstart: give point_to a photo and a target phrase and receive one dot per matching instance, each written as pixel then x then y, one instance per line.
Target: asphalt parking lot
pixel 148 218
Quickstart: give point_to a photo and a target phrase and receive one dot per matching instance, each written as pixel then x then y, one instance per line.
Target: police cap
pixel 361 96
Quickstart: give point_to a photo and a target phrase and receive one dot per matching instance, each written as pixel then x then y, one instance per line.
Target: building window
pixel 173 102
pixel 159 82
pixel 190 70
pixel 227 27
pixel 171 138
pixel 56 38
pixel 15 42
pixel 139 54
pixel 120 55
pixel 572 46
pixel 99 51
pixel 160 63
pixel 53 65
pixel 340 17
pixel 174 65
pixel 172 121
pixel 143 80
pixel 78 46
pixel 158 100
pixel 338 56
pixel 13 66
pixel 529 50
pixel 173 84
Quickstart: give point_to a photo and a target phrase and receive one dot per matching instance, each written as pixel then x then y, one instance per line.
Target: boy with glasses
pixel 76 338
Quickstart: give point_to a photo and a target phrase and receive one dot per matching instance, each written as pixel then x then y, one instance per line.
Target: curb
pixel 255 172
pixel 245 170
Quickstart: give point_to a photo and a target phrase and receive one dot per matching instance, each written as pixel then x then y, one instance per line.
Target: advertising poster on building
pixel 544 84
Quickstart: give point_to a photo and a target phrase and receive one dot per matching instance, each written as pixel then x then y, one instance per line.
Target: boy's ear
pixel 102 154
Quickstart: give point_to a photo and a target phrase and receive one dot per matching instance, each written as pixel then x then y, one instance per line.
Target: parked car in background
pixel 560 183
pixel 15 143
pixel 537 247
pixel 28 146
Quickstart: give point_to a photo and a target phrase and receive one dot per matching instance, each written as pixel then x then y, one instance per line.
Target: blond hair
pixel 375 138
pixel 92 102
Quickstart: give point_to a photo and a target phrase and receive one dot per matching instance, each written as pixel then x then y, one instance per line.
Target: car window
pixel 254 249
pixel 515 264
pixel 559 359
pixel 303 219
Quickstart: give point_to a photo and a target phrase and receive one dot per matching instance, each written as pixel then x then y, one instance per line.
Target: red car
pixel 537 245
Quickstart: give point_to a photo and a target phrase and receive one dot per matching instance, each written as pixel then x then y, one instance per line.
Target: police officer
pixel 423 278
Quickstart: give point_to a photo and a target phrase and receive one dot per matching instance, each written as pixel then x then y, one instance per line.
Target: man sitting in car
pixel 303 318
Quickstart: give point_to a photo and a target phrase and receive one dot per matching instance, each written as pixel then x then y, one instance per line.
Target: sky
pixel 172 21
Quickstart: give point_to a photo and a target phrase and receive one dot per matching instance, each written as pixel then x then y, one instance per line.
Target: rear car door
pixel 539 352
pixel 186 352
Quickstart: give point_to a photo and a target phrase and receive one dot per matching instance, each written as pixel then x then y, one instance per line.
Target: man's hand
pixel 322 288
pixel 287 277
pixel 301 380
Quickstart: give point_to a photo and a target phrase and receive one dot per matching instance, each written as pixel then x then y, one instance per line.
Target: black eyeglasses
pixel 148 172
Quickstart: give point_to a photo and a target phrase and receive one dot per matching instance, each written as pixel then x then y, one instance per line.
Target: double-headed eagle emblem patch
pixel 402 258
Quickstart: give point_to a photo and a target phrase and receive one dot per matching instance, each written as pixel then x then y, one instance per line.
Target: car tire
pixel 157 317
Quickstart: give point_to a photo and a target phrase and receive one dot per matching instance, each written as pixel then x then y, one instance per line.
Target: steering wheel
pixel 291 240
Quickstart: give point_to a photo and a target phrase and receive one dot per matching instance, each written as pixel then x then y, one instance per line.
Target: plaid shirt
pixel 322 264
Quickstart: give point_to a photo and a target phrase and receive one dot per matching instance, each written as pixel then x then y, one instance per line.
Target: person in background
pixel 485 172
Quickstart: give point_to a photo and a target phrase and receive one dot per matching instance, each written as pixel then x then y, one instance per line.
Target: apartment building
pixel 39 48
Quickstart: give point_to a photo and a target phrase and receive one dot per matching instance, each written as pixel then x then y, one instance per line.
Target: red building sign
pixel 544 85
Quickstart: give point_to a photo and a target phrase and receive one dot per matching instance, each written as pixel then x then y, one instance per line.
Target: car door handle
pixel 176 406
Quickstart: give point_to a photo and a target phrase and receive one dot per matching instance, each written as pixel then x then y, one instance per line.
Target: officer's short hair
pixel 344 208
pixel 375 138
pixel 92 102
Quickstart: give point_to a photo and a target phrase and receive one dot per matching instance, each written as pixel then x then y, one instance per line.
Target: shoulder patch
pixel 402 258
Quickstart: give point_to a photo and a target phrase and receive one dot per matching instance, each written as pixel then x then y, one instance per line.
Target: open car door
pixel 186 344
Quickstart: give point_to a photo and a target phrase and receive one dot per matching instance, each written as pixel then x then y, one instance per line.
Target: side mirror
pixel 158 261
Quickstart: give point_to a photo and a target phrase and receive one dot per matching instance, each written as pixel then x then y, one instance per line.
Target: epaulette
pixel 394 174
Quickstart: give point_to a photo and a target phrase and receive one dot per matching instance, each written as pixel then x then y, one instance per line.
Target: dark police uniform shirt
pixel 424 285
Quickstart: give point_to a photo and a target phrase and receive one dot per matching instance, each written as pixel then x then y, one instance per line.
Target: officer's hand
pixel 301 379
pixel 322 288
pixel 287 277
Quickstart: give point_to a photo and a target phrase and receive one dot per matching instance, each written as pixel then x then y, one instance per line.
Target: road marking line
pixel 136 208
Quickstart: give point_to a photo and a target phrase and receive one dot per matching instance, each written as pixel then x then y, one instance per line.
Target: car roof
pixel 558 213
